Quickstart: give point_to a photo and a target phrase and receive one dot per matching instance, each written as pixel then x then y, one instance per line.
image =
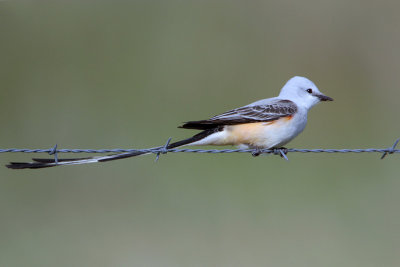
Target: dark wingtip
pixel 185 125
pixel 198 125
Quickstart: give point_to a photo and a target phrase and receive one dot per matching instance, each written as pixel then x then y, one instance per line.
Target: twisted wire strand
pixel 163 150
pixel 213 151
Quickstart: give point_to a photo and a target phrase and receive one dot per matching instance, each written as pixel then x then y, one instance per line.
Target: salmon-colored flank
pixel 250 133
pixel 288 118
pixel 244 133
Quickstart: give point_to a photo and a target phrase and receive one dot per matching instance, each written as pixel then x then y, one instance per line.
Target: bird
pixel 264 124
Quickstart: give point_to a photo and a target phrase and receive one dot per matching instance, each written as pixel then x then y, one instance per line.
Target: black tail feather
pixel 190 140
pixel 28 165
pixel 197 137
pixel 122 156
pixel 40 163
pixel 41 160
pixel 46 162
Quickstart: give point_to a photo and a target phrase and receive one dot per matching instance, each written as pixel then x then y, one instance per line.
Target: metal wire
pixel 164 149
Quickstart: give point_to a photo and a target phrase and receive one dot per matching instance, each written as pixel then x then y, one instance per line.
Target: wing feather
pixel 247 114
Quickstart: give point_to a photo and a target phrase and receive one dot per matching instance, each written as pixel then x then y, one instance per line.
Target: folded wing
pixel 247 114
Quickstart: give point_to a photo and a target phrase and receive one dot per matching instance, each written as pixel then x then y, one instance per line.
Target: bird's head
pixel 303 92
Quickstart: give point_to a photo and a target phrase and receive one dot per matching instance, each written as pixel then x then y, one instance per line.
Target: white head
pixel 303 92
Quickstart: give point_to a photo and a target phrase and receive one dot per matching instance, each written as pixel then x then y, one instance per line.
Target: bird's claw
pixel 257 152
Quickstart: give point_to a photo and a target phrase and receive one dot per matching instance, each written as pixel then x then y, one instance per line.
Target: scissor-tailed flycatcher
pixel 264 124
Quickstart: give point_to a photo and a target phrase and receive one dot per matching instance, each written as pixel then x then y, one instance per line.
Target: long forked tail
pixel 39 163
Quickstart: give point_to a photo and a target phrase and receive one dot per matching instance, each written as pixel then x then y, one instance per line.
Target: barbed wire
pixel 164 149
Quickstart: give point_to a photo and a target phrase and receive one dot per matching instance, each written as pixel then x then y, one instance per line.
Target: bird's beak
pixel 324 97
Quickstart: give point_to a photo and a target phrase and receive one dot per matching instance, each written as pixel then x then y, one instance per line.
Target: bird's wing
pixel 247 114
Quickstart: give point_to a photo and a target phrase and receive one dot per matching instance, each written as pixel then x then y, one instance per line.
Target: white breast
pixel 282 132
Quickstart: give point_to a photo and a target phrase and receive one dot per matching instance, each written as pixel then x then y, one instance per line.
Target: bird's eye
pixel 309 90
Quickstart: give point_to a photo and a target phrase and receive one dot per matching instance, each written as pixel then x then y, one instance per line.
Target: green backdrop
pixel 114 75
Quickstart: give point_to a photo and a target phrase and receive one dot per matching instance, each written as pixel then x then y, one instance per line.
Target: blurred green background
pixel 114 75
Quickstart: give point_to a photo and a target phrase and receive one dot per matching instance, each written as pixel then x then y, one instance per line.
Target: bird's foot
pixel 257 152
pixel 281 151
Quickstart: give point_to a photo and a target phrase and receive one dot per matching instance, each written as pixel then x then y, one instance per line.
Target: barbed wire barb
pixel 282 152
pixel 164 149
pixel 53 151
pixel 391 149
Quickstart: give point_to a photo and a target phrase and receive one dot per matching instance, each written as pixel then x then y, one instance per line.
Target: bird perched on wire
pixel 264 124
